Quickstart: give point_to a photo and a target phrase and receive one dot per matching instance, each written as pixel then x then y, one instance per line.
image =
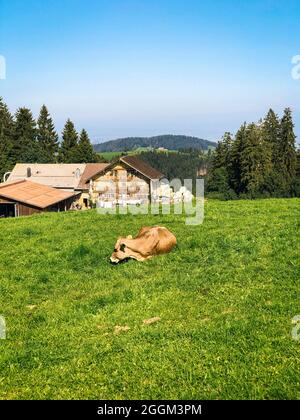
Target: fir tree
pixel 236 153
pixel 47 137
pixel 227 141
pixel 252 161
pixel 296 183
pixel 219 175
pixel 6 133
pixel 69 145
pixel 298 163
pixel 271 132
pixel 85 149
pixel 25 147
pixel 219 158
pixel 271 139
pixel 287 150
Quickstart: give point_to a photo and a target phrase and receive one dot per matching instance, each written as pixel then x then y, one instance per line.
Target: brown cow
pixel 150 241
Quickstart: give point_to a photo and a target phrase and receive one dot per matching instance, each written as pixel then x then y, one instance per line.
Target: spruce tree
pixel 296 183
pixel 271 137
pixel 271 132
pixel 25 147
pixel 47 137
pixel 298 163
pixel 6 133
pixel 236 153
pixel 287 156
pixel 218 179
pixel 219 158
pixel 252 161
pixel 227 141
pixel 85 149
pixel 69 146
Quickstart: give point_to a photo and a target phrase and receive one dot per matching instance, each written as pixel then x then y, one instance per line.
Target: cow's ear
pixel 129 237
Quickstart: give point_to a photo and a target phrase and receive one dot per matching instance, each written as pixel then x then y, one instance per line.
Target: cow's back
pixel 167 240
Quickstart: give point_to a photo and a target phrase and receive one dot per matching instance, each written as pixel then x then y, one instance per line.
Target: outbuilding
pixel 23 198
pixel 70 177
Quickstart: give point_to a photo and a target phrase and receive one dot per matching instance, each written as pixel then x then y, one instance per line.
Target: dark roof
pixel 33 194
pixel 135 163
pixel 91 169
pixel 142 167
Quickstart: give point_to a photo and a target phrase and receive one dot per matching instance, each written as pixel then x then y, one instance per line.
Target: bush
pixel 228 194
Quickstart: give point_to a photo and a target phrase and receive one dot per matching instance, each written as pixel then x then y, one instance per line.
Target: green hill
pixel 168 141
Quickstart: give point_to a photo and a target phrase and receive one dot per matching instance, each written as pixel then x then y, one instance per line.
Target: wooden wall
pixel 24 210
pixel 27 210
pixel 128 185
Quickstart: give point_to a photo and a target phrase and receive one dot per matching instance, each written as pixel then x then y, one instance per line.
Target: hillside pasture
pixel 210 320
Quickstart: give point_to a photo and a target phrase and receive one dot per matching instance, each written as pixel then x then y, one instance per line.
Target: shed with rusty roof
pixel 23 198
pixel 71 177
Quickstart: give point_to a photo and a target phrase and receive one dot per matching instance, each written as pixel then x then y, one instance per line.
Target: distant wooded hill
pixel 171 142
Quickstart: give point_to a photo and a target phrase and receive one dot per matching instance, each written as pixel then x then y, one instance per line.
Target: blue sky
pixel 146 67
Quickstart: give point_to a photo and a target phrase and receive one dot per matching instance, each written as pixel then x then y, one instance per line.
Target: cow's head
pixel 139 249
pixel 123 251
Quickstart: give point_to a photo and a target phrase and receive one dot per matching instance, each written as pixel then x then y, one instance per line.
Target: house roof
pixel 142 167
pixel 57 175
pixel 137 164
pixel 33 194
pixel 74 176
pixel 91 169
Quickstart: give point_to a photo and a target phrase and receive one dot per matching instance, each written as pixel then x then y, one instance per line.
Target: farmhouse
pixel 128 180
pixel 23 198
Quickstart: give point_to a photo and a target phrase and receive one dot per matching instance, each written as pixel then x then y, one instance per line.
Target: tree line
pixel 187 163
pixel 26 140
pixel 167 141
pixel 261 160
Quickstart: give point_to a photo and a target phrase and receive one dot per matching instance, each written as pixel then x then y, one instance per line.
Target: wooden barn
pixel 23 198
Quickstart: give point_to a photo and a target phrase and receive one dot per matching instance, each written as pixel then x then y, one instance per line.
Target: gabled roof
pixel 58 175
pixel 136 164
pixel 68 176
pixel 91 169
pixel 142 167
pixel 33 194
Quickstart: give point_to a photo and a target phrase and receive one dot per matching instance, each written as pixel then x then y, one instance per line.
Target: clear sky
pixel 146 67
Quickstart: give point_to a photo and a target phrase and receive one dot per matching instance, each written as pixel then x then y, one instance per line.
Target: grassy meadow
pixel 225 298
pixel 108 156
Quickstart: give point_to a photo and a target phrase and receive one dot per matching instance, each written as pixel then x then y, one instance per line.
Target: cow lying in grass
pixel 150 241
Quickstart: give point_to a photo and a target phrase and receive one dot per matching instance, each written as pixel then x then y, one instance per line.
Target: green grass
pixel 225 296
pixel 108 156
